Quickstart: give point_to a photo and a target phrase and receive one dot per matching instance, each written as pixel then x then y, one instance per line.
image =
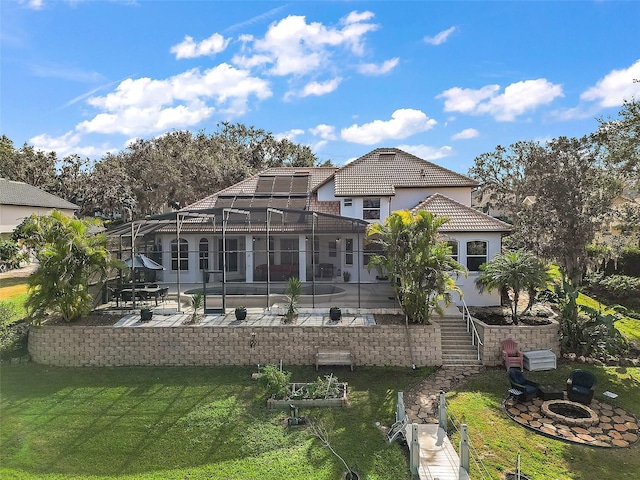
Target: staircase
pixel 457 349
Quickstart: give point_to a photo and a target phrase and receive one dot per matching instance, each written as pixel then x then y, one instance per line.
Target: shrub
pixel 621 289
pixel 629 262
pixel 13 336
pixel 275 381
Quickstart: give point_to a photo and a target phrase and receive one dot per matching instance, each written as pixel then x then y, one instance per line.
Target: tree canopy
pixel 172 170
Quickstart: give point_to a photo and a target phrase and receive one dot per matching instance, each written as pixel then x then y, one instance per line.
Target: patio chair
pixel 126 296
pixel 580 386
pixel 511 355
pixel 114 295
pixel 518 381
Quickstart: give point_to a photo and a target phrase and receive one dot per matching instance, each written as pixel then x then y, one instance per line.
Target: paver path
pixel 421 402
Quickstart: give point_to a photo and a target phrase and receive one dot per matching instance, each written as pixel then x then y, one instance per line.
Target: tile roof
pixel 380 171
pixel 23 194
pixel 249 187
pixel 461 217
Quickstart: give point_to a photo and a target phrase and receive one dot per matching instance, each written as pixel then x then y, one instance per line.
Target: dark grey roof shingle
pixel 20 193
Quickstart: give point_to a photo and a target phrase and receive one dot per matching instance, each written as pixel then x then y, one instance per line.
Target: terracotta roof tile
pixel 379 172
pixel 461 217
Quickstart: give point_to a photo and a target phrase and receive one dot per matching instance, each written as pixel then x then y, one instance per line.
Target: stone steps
pixel 457 349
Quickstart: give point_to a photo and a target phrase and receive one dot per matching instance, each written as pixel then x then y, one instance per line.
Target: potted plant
pixel 241 312
pixel 335 314
pixel 294 290
pixel 146 314
pixel 346 275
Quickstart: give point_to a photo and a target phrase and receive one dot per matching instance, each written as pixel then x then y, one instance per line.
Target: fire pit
pixel 570 413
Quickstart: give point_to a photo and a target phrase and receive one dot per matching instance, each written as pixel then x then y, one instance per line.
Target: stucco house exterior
pixel 19 200
pixel 311 223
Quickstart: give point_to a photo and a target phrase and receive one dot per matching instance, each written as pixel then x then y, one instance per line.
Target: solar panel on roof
pixel 297 203
pixel 282 184
pixel 265 184
pixel 224 202
pixel 300 184
pixel 243 202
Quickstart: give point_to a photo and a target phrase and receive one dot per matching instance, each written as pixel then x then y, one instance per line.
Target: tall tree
pixel 418 261
pixel 69 256
pixel 28 165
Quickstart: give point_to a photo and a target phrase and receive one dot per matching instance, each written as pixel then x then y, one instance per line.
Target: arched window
pixel 476 255
pixel 203 251
pixel 184 254
pixel 454 249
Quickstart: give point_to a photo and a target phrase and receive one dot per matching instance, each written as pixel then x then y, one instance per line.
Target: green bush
pixel 629 262
pixel 10 254
pixel 621 289
pixel 275 381
pixel 13 335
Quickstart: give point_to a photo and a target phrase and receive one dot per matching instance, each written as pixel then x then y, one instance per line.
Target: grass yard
pixel 13 291
pixel 498 440
pixel 196 423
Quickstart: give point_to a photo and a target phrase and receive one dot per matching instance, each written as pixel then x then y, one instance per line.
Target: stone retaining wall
pixel 539 337
pixel 196 345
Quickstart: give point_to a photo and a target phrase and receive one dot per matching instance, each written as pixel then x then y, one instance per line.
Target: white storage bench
pixel 539 360
pixel 334 357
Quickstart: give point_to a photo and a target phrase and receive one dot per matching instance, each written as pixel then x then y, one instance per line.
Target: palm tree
pixel 418 261
pixel 70 256
pixel 512 273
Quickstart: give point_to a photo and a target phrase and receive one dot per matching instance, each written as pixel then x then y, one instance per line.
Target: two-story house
pixel 311 223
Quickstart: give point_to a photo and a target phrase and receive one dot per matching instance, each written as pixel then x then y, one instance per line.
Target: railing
pixel 471 327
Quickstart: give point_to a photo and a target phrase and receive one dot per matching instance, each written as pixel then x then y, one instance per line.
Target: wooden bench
pixel 334 357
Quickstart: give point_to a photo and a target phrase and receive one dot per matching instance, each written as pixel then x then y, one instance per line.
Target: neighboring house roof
pixel 380 172
pixel 280 187
pixel 461 217
pixel 23 194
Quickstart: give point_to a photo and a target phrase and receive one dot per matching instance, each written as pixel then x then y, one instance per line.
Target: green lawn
pixel 499 440
pixel 13 292
pixel 187 423
pixel 629 327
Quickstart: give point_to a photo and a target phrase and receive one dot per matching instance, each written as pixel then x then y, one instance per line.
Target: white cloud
pixel 427 152
pixel 441 37
pixel 289 135
pixel 33 4
pixel 375 69
pixel 404 123
pixel 294 47
pixel 320 88
pixel 326 132
pixel 68 144
pixel 616 86
pixel 517 99
pixel 144 105
pixel 466 134
pixel 216 43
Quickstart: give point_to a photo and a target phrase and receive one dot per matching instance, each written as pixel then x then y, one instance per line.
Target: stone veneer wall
pixel 541 337
pixel 192 345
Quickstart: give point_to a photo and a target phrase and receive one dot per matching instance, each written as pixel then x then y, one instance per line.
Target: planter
pixel 145 314
pixel 335 314
pixel 241 313
pixel 339 401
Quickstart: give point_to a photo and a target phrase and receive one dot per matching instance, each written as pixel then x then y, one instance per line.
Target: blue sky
pixel 446 81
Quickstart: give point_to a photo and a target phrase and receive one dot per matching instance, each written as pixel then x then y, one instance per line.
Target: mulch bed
pixel 389 319
pixel 90 320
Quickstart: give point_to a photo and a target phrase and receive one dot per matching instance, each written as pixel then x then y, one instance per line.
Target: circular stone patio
pixel 615 426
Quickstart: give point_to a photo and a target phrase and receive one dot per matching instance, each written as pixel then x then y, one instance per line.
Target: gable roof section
pixel 23 194
pixel 280 187
pixel 381 171
pixel 461 217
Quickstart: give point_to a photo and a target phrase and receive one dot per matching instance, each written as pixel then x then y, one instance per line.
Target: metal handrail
pixel 471 327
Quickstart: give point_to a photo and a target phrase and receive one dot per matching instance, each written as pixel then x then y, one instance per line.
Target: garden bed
pixel 300 395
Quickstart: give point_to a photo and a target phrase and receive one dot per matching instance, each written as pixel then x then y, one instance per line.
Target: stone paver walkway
pixel 421 402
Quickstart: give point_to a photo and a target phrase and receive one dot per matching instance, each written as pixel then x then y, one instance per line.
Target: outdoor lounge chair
pixel 511 355
pixel 518 381
pixel 580 386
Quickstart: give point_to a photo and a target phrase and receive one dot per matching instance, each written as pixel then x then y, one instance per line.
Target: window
pixel 454 249
pixel 370 250
pixel 371 209
pixel 203 250
pixel 232 254
pixel 333 248
pixel 476 255
pixel 184 254
pixel 348 248
pixel 348 202
pixel 289 251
